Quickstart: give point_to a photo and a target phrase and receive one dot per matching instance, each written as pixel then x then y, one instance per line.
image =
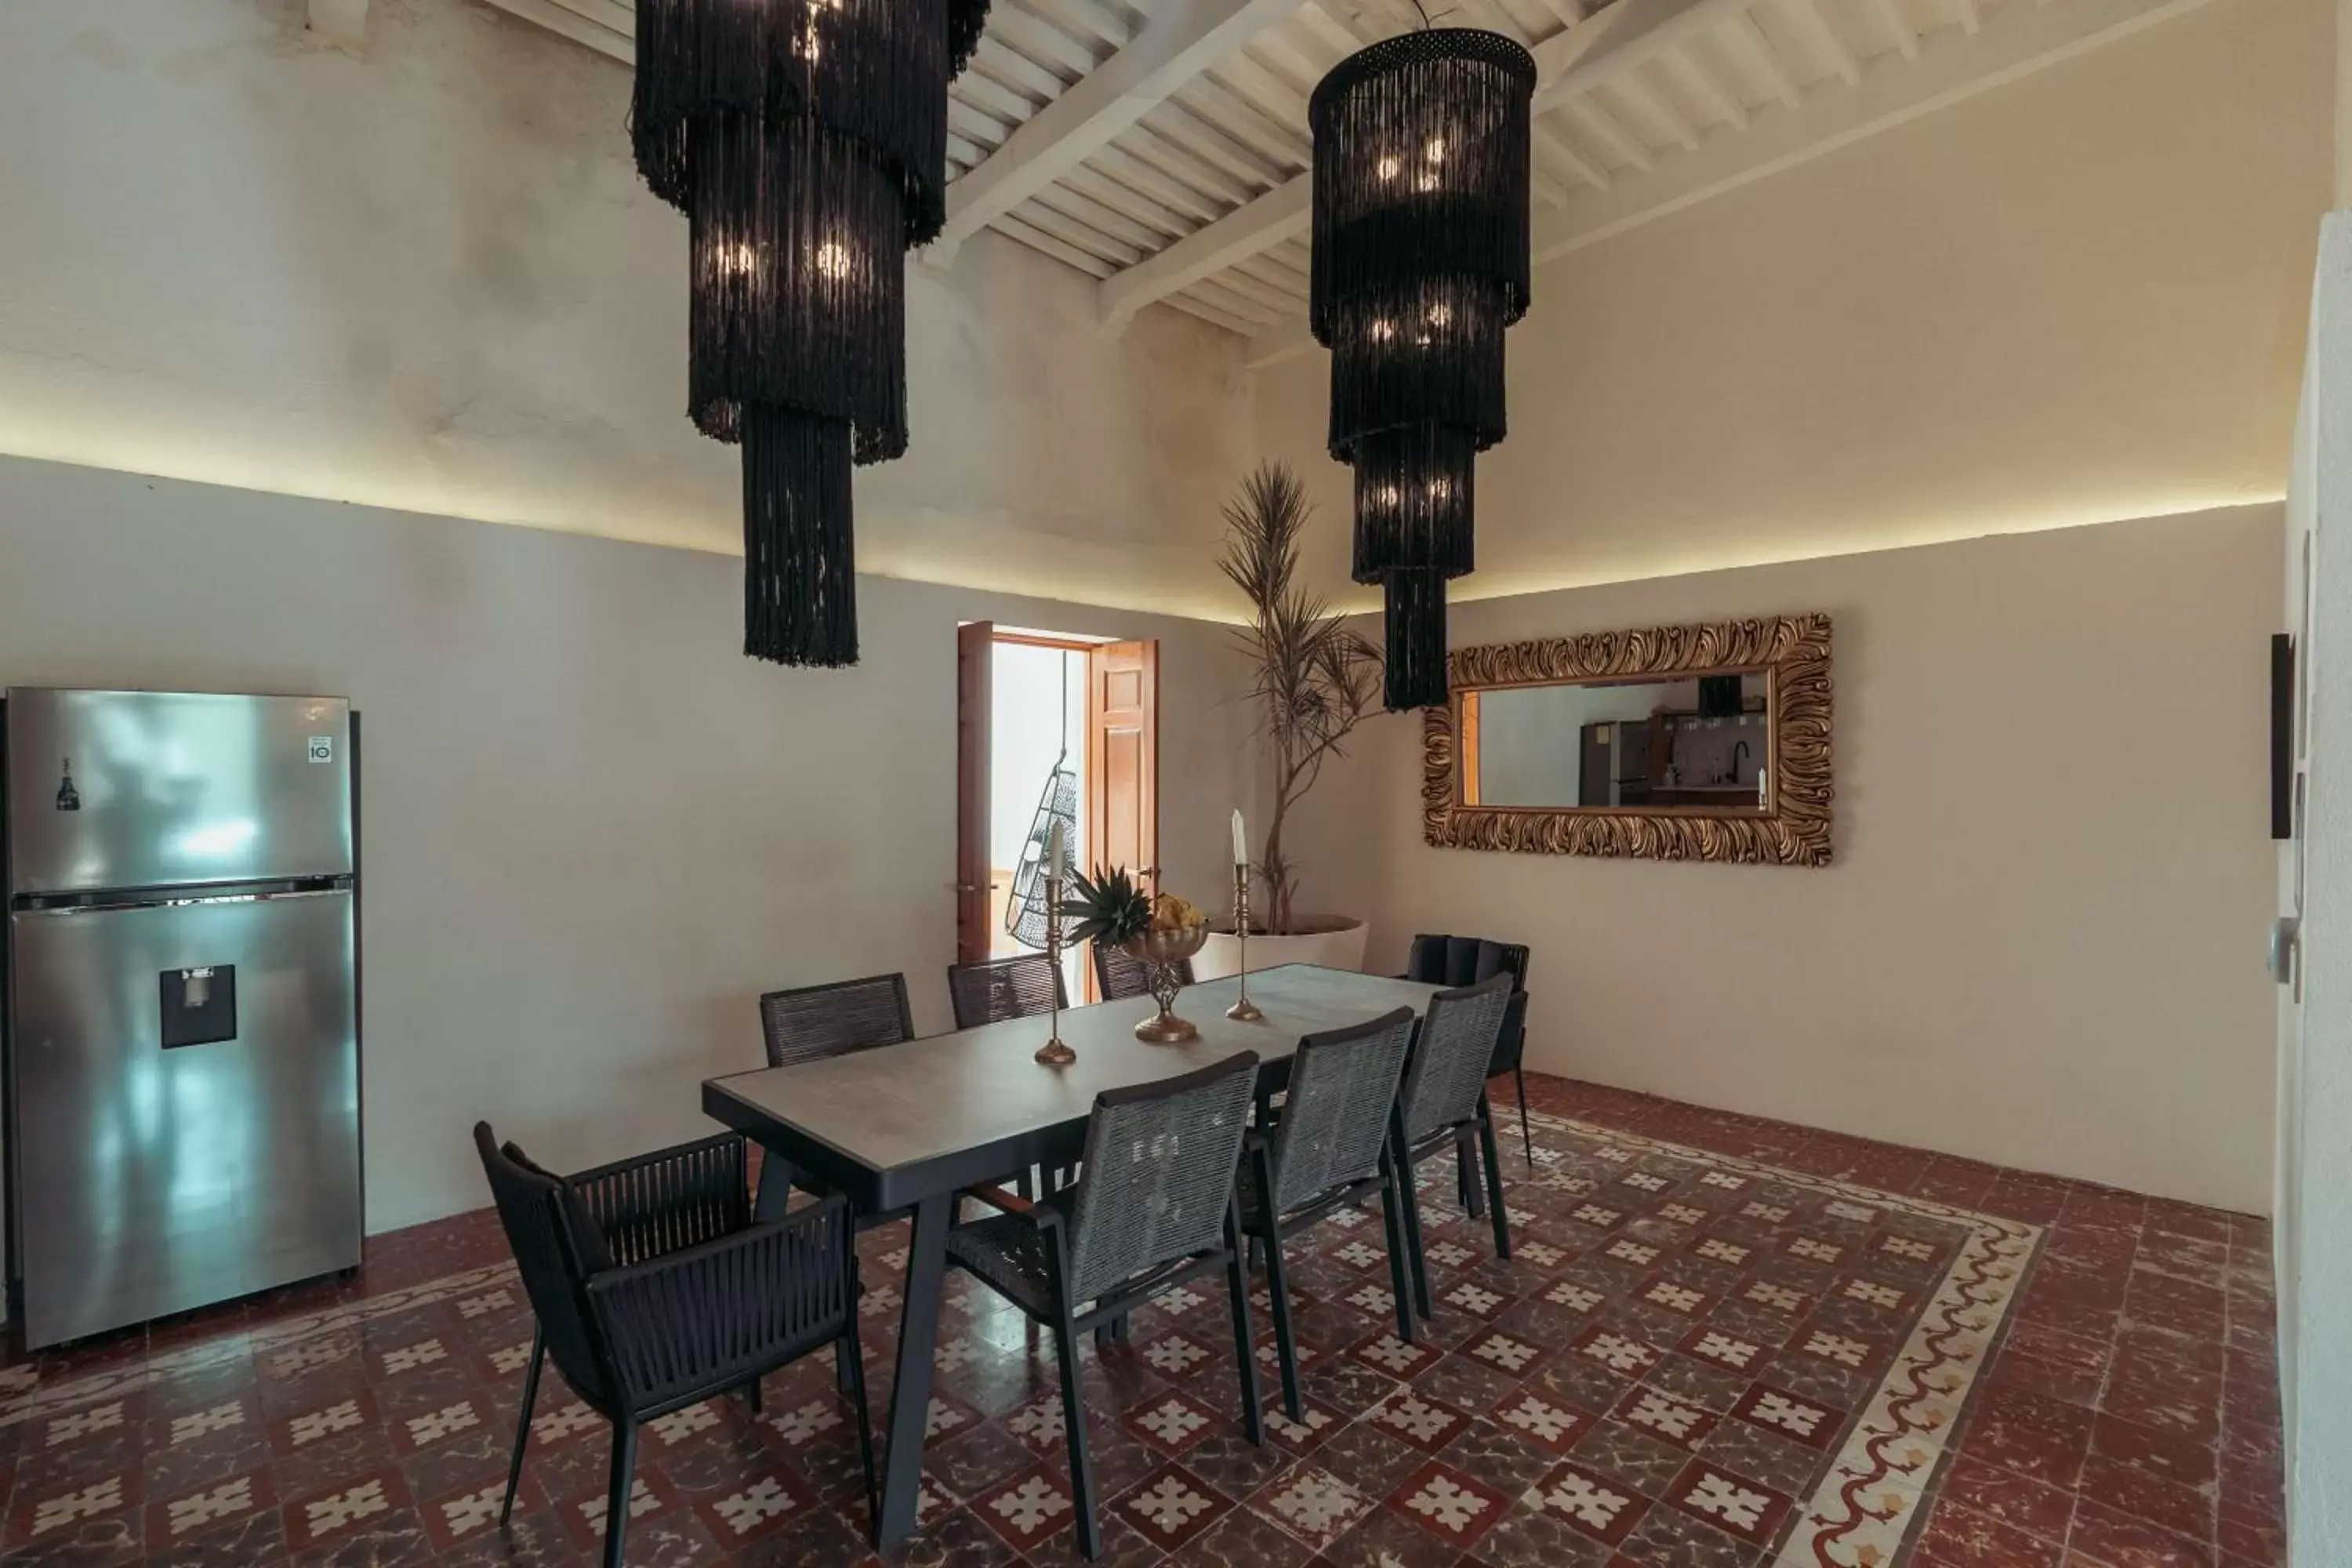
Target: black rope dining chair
pixel 999 989
pixel 654 1289
pixel 1119 974
pixel 1154 1207
pixel 1018 988
pixel 1466 961
pixel 812 1022
pixel 1443 1104
pixel 1330 1148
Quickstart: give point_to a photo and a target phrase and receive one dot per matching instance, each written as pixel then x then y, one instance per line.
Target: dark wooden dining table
pixel 908 1127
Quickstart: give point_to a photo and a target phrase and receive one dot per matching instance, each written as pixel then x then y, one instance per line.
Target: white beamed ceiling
pixel 1161 146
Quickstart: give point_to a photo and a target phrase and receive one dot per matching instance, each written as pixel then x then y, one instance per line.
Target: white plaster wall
pixel 594 831
pixel 429 278
pixel 2077 298
pixel 2319 1179
pixel 2040 941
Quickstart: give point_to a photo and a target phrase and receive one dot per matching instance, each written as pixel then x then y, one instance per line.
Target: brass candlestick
pixel 1243 1011
pixel 1055 1052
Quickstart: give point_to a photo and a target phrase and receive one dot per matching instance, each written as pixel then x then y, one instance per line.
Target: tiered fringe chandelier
pixel 806 142
pixel 1420 261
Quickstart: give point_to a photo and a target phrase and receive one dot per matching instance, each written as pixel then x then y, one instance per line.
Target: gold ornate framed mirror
pixel 1699 742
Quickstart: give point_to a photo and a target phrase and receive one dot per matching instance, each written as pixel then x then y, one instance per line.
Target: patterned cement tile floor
pixel 1720 1342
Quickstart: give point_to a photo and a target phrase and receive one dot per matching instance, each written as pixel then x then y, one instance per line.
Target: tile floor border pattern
pixel 23 1396
pixel 1867 1502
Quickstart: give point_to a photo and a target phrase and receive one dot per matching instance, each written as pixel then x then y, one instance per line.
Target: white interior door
pixel 2314 1215
pixel 2287 934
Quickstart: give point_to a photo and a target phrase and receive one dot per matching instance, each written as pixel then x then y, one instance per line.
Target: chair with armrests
pixel 1154 1207
pixel 654 1289
pixel 1118 974
pixel 1466 961
pixel 1443 1104
pixel 1330 1148
pixel 999 989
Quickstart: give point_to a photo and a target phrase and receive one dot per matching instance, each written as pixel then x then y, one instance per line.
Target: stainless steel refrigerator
pixel 183 1072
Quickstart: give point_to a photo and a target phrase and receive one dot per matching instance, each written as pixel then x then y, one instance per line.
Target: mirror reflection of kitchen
pixel 1698 741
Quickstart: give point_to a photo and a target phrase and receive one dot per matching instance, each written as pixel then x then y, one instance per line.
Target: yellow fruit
pixel 1170 912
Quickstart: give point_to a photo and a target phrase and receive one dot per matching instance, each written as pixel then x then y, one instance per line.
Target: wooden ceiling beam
pixel 1276 215
pixel 1749 40
pixel 1658 107
pixel 1040 39
pixel 1549 146
pixel 1899 28
pixel 1179 42
pixel 1700 78
pixel 603 26
pixel 1061 250
pixel 1605 128
pixel 1842 59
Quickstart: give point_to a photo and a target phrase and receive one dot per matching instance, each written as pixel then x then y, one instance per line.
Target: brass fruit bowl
pixel 1160 950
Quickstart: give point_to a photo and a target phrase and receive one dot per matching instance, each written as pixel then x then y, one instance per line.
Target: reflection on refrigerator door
pixel 159 1177
pixel 183 1060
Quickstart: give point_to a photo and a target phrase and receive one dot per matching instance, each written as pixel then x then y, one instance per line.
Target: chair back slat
pixel 1119 974
pixel 1002 988
pixel 700 1192
pixel 544 1224
pixel 818 1021
pixel 1335 1119
pixel 1464 961
pixel 673 1326
pixel 1453 1055
pixel 1159 1167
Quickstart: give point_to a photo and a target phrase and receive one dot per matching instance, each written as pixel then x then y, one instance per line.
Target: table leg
pixel 910 1390
pixel 774 1195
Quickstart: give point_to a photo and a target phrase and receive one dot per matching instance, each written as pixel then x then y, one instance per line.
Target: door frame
pixel 975 678
pixel 975 642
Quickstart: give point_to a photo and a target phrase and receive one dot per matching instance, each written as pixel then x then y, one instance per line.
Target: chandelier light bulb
pixel 832 260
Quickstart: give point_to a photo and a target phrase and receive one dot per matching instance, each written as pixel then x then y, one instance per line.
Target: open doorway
pixel 1049 727
pixel 1037 754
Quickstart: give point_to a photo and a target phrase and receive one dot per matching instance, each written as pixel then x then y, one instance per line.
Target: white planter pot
pixel 1341 947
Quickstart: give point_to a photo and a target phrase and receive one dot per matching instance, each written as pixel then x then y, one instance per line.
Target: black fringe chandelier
pixel 1420 261
pixel 806 142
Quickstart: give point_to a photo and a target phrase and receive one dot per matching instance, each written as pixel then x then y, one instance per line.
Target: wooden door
pixel 975 647
pixel 1122 778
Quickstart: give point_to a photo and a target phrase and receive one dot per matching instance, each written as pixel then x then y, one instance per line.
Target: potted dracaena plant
pixel 1315 679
